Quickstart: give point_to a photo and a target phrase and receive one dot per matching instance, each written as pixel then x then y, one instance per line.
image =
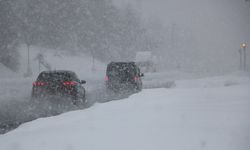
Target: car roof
pixel 59 71
pixel 121 63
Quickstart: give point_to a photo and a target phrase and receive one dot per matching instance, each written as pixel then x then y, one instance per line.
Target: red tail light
pixel 69 83
pixel 39 83
pixel 106 78
pixel 136 78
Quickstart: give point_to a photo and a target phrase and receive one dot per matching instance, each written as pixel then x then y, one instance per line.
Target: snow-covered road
pixel 211 114
pixel 207 113
pixel 16 107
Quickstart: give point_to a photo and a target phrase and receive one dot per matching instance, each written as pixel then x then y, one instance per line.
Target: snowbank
pixel 6 72
pixel 211 118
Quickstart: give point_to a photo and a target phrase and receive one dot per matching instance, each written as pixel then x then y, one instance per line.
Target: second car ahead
pixel 60 83
pixel 123 76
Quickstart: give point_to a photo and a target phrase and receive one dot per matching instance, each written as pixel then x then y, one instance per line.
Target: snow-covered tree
pixel 8 35
pixel 96 27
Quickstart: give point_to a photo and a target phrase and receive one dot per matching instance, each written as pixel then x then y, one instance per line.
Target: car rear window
pixel 121 69
pixel 54 77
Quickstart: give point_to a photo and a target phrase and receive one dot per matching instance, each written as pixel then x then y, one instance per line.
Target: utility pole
pixel 173 44
pixel 29 72
pixel 173 39
pixel 28 68
pixel 240 51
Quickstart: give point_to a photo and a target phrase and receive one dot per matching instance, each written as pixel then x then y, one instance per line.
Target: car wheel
pixel 80 102
pixel 138 88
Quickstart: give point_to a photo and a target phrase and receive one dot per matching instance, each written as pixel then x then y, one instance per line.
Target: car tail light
pixel 106 78
pixel 136 78
pixel 39 83
pixel 69 83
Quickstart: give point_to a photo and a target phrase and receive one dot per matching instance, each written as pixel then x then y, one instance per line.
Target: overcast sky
pixel 229 17
pixel 217 26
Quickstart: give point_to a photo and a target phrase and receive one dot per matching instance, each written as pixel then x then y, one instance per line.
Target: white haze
pixel 209 33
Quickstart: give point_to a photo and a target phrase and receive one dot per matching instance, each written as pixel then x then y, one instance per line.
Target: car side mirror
pixel 83 82
pixel 141 74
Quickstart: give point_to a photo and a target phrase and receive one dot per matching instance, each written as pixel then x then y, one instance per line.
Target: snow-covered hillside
pixel 209 114
pixel 6 72
pixel 61 60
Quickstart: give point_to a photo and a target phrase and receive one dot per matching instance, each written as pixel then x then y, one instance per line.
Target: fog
pixel 203 35
pixel 185 88
pixel 192 36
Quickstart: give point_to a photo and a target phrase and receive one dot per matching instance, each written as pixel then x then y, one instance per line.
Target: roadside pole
pixel 240 52
pixel 245 59
pixel 243 47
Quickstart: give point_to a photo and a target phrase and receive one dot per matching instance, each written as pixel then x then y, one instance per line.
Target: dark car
pixel 62 84
pixel 121 76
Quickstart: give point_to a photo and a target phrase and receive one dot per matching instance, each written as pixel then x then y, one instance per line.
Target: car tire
pixel 138 88
pixel 80 102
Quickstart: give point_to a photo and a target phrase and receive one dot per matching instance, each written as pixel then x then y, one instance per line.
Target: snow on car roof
pixel 58 71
